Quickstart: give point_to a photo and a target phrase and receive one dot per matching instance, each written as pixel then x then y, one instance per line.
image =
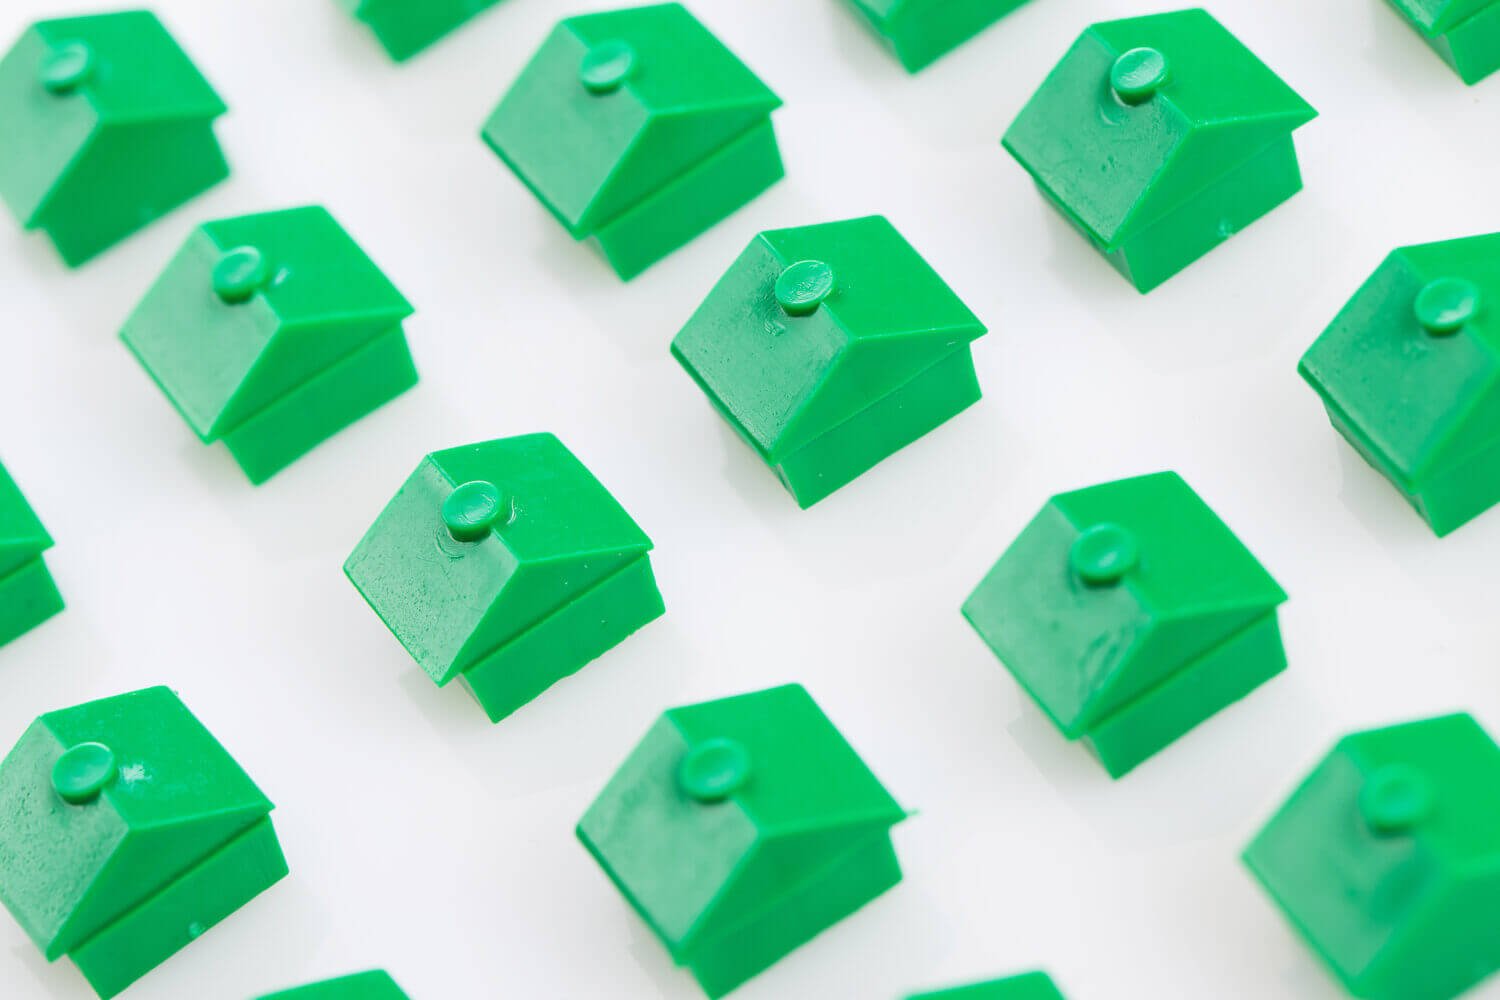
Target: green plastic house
pixel 271 333
pixel 128 831
pixel 1031 986
pixel 108 126
pixel 1159 138
pixel 28 596
pixel 1130 613
pixel 741 828
pixel 406 27
pixel 919 31
pixel 1466 33
pixel 638 128
pixel 1387 859
pixel 1410 374
pixel 829 348
pixel 373 985
pixel 508 566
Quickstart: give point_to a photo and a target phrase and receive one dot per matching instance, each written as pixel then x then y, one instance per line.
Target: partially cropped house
pixel 108 126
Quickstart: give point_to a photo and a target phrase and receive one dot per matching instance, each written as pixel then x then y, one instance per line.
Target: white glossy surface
pixel 426 841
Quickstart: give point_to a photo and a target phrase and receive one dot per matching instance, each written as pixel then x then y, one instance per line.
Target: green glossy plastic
pixel 919 31
pixel 1159 138
pixel 28 596
pixel 271 333
pixel 108 126
pixel 741 828
pixel 373 985
pixel 829 348
pixel 506 565
pixel 1387 859
pixel 638 128
pixel 1130 613
pixel 1410 374
pixel 406 27
pixel 1031 986
pixel 1466 33
pixel 126 831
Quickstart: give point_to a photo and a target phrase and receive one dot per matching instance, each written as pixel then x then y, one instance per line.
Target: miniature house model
pixel 129 832
pixel 1159 138
pixel 406 27
pixel 1387 859
pixel 829 348
pixel 28 596
pixel 508 566
pixel 741 828
pixel 108 125
pixel 1466 33
pixel 271 333
pixel 1409 372
pixel 637 128
pixel 919 31
pixel 1130 613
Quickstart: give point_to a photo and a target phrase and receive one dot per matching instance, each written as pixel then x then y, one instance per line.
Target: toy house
pixel 1130 613
pixel 638 128
pixel 741 828
pixel 508 566
pixel 406 27
pixel 1466 33
pixel 1387 859
pixel 128 833
pixel 108 126
pixel 1159 138
pixel 1409 372
pixel 373 985
pixel 28 596
pixel 829 348
pixel 271 333
pixel 1031 986
pixel 919 31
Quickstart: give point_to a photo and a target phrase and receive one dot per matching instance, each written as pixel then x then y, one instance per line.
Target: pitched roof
pixel 1185 583
pixel 221 361
pixel 795 796
pixel 1116 166
pixel 616 104
pixel 1415 400
pixel 783 379
pixel 172 796
pixel 1438 17
pixel 140 72
pixel 451 602
pixel 22 536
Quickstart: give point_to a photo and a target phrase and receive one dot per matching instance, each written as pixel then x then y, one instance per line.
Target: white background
pixel 427 841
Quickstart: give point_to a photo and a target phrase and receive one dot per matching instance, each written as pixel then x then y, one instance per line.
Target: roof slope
pixel 1116 166
pixel 786 379
pixel 1418 402
pixel 668 94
